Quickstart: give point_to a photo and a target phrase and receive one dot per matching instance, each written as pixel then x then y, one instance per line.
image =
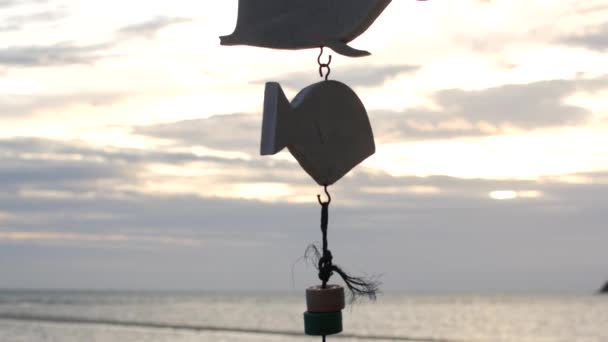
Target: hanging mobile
pixel 327 130
pixel 325 127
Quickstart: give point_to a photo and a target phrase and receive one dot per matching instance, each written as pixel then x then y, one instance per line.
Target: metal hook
pixel 328 197
pixel 324 65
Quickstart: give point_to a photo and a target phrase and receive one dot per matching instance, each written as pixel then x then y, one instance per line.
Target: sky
pixel 129 150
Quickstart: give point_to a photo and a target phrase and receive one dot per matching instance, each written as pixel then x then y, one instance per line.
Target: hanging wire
pixel 322 259
pixel 325 262
pixel 326 194
pixel 324 66
pixel 358 286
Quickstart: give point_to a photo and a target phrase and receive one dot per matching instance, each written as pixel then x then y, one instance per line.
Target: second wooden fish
pixel 325 127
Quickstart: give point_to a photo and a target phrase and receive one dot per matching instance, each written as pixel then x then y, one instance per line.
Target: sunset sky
pixel 129 144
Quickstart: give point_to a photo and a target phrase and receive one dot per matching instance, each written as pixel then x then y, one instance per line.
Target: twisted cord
pixel 357 286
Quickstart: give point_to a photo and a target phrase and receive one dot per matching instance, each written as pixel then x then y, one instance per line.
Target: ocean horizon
pixel 194 315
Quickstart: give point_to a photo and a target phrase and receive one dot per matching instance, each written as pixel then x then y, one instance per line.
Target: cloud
pixel 27 105
pixel 460 113
pixel 59 54
pixel 69 53
pixel 50 165
pixel 47 169
pixel 595 38
pixel 489 111
pixel 55 168
pixel 454 238
pixel 65 151
pixel 357 76
pixel 18 22
pixel 149 29
pixel 528 106
pixel 245 129
pixel 423 124
pixel 48 179
pixel 244 132
pixel 11 3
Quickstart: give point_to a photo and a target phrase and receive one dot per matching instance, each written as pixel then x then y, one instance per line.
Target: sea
pixel 116 316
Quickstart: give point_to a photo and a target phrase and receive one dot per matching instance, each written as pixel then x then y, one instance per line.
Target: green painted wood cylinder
pixel 322 323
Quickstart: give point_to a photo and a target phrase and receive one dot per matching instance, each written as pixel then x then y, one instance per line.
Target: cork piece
pixel 329 299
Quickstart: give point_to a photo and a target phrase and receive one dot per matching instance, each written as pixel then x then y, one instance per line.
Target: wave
pixel 196 328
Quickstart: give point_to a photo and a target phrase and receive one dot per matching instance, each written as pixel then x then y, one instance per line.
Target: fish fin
pixel 276 109
pixel 343 49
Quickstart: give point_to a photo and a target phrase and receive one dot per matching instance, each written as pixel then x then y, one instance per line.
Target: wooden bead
pixel 322 323
pixel 329 299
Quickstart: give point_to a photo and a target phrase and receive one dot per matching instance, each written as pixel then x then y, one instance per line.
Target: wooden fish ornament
pixel 302 24
pixel 325 128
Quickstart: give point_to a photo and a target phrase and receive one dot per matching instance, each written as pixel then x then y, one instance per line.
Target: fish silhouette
pixel 325 128
pixel 302 24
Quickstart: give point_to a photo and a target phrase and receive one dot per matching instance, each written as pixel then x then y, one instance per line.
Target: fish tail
pixel 228 40
pixel 345 50
pixel 276 115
